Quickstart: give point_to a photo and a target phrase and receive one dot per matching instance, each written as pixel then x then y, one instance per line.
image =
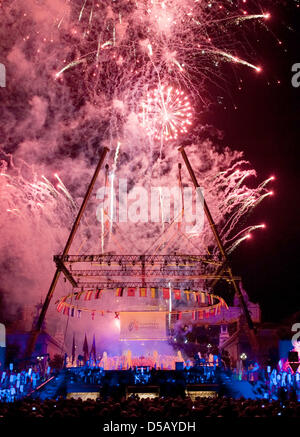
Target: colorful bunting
pixel 66 310
pixel 166 293
pixel 130 291
pixel 78 295
pixel 202 297
pixel 154 292
pixel 177 294
pixel 119 291
pixel 88 295
pixel 143 292
pixel 98 294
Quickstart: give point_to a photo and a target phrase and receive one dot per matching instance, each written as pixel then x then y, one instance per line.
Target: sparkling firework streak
pixel 151 41
pixel 35 200
pixel 237 243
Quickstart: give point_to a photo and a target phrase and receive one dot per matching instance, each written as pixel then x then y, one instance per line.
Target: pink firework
pixel 167 113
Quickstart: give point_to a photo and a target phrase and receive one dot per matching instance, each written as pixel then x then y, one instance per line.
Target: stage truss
pixel 112 271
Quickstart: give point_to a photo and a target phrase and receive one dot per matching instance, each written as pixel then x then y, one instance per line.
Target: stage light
pixel 117 323
pixel 243 356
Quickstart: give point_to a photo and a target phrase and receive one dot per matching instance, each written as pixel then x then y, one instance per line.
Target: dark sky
pixel 266 126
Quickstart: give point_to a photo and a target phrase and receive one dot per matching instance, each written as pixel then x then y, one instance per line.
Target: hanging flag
pixel 187 293
pixel 60 306
pixel 73 349
pixel 72 311
pixel 177 294
pixel 200 314
pixel 66 310
pixel 194 296
pixel 119 291
pixel 202 297
pixel 143 292
pixel 130 291
pixel 79 314
pixel 78 295
pixel 154 292
pixel 166 293
pixel 88 295
pixel 93 315
pixel 98 294
pixel 93 350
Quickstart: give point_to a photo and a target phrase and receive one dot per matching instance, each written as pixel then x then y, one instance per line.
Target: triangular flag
pixel 85 349
pixel 93 350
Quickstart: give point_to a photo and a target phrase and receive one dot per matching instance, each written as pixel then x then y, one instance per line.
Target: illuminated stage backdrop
pixel 143 326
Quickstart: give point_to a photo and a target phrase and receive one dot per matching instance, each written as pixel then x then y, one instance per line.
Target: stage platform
pixel 96 383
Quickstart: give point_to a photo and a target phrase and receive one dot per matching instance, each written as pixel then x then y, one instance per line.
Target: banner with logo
pixel 143 326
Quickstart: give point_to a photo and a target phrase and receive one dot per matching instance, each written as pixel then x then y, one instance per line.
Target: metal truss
pixel 106 271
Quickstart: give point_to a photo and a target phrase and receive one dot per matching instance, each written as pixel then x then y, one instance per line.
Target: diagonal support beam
pixel 39 324
pixel 67 273
pixel 222 250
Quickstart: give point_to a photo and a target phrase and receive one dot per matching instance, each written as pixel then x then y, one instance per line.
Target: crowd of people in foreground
pixel 147 409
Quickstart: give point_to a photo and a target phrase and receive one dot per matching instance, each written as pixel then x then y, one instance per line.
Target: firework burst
pixel 166 113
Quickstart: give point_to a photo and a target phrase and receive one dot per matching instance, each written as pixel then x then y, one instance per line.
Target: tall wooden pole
pixel 36 330
pixel 222 251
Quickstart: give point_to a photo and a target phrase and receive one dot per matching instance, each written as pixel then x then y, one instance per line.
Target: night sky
pixel 265 126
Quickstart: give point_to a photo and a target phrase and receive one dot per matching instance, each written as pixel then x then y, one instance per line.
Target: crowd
pixel 155 408
pixel 16 384
pixel 280 383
